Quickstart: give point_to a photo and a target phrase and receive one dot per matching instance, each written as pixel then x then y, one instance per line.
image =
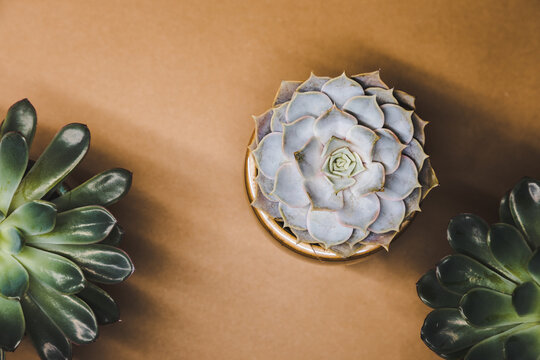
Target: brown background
pixel 168 89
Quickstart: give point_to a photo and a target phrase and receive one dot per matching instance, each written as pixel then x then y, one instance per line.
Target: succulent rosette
pixel 56 244
pixel 341 161
pixel 486 296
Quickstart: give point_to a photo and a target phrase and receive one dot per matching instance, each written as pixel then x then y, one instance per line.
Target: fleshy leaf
pixel 366 110
pixel 325 227
pixel 383 239
pixel 460 273
pixel 412 202
pixel 534 266
pixel 279 117
pixel 32 218
pixel 101 263
pixel 427 178
pixel 286 91
pixel 266 185
pixel 390 217
pixel 334 123
pixel 369 180
pixel 69 313
pixel 13 161
pixel 314 83
pixel 526 299
pixel 371 79
pixel 64 152
pixel 525 207
pixel 399 121
pixel 114 237
pixel 383 96
pixel 11 323
pixel 48 339
pixel 56 271
pixel 21 117
pixel 416 152
pixel 269 154
pixel 524 345
pixel 296 135
pixel 84 225
pixel 492 348
pixel 13 277
pixel 433 294
pixel 505 215
pixel 289 186
pixel 401 183
pixel 359 212
pixel 294 217
pixel 363 141
pixel 322 195
pixel 419 125
pixel 405 100
pixel 341 88
pixel 304 236
pixel 510 249
pixel 309 158
pixel 308 104
pixel 270 207
pixel 103 189
pixel 101 303
pixel 388 150
pixel 262 125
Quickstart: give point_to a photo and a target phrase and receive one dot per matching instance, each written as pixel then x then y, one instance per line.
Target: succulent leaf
pixel 102 304
pixel 11 324
pixel 524 345
pixel 534 266
pixel 32 218
pixel 13 278
pixel 525 208
pixel 285 92
pixel 114 237
pixel 103 189
pixel 13 161
pixel 64 152
pixel 510 250
pixel 434 294
pixel 84 225
pixel 21 118
pixel 47 338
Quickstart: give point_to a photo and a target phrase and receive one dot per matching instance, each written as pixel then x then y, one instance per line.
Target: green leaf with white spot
pixel 114 237
pixel 13 277
pixel 32 218
pixel 102 304
pixel 21 117
pixel 524 202
pixel 103 189
pixel 11 324
pixel 64 152
pixel 13 161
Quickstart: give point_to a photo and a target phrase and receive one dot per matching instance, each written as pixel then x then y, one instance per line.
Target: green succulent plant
pixel 55 243
pixel 487 296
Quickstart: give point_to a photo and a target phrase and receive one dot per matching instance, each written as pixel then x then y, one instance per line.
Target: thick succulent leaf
pixel 490 308
pixel 416 152
pixel 309 103
pixel 405 100
pixel 334 123
pixel 13 277
pixel 314 83
pixel 412 202
pixel 48 339
pixel 445 331
pixel 433 294
pixel 359 212
pixel 296 135
pixel 11 323
pixel 72 316
pixel 534 266
pixel 325 227
pixel 335 143
pixel 114 237
pixel 32 218
pixel 379 239
pixel 401 183
pixel 103 189
pixel 525 207
pixel 286 91
pixel 526 299
pixel 366 110
pixel 369 180
pixel 390 217
pixel 460 273
pixel 289 186
pixel 101 303
pixel 56 271
pixel 13 161
pixel 294 217
pixel 399 121
pixel 371 79
pixel 363 141
pixel 101 263
pixel 349 247
pixel 262 125
pixel 21 117
pixel 64 152
pixel 322 195
pixel 11 240
pixel 427 178
pixel 492 348
pixel 523 345
pixel 309 158
pixel 279 117
pixel 388 150
pixel 266 185
pixel 383 96
pixel 510 249
pixel 341 88
pixel 270 207
pixel 84 225
pixel 505 214
pixel 419 125
pixel 269 154
pixel 304 236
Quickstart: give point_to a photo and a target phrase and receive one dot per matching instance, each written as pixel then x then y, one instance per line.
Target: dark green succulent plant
pixel 55 243
pixel 487 296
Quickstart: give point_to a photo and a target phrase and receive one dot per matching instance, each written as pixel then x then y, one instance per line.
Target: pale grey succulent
pixel 341 161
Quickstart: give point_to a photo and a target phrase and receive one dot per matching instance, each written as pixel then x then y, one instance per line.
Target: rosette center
pixel 342 163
